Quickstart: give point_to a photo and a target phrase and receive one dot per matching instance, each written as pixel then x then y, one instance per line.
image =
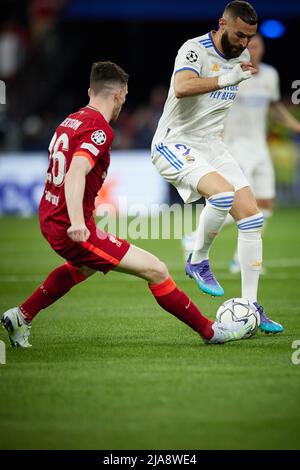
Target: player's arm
pixel 74 192
pixel 188 83
pixel 284 116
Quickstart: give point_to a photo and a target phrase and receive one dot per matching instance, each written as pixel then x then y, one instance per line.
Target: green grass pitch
pixel 110 370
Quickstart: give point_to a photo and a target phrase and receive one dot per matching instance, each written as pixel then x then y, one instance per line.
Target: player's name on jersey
pixel 72 123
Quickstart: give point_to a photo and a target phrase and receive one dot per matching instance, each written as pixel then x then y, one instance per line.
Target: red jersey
pixel 84 133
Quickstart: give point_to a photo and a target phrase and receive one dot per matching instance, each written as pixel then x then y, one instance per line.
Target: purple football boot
pixel 266 324
pixel 204 278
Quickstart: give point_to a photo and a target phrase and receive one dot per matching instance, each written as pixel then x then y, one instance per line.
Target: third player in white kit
pixel 188 151
pixel 246 130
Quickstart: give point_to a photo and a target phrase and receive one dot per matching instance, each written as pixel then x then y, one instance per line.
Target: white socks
pixel 250 254
pixel 267 213
pixel 211 220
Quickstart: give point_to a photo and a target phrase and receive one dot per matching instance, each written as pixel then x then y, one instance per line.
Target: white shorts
pixel 256 164
pixel 183 164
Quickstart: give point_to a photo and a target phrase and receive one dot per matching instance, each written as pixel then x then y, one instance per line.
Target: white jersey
pixel 196 116
pixel 247 119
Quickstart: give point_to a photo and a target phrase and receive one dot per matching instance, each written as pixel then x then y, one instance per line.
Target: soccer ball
pixel 235 309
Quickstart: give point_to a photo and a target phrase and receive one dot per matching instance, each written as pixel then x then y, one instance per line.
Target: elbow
pixel 179 89
pixel 179 92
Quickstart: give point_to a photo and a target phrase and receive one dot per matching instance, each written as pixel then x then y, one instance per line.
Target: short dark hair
pixel 106 74
pixel 243 10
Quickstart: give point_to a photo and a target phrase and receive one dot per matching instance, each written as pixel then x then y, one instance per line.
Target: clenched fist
pixel 240 72
pixel 78 233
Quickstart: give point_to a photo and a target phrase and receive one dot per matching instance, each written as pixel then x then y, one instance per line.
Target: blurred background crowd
pixel 45 57
pixel 47 47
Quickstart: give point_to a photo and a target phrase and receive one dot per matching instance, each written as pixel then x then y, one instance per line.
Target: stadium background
pixel 46 50
pixel 129 381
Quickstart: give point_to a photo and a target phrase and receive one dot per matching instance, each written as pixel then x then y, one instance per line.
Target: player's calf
pixel 56 285
pixel 210 222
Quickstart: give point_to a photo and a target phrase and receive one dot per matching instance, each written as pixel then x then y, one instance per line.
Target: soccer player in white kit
pixel 188 151
pixel 246 130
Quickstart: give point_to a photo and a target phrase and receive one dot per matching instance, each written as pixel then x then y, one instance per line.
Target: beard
pixel 230 51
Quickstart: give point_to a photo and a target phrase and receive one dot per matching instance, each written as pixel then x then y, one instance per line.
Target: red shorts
pixel 102 251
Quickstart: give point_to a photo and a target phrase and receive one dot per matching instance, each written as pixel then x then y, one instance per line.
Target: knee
pixel 213 184
pixel 251 212
pixel 156 272
pixel 242 211
pixel 225 187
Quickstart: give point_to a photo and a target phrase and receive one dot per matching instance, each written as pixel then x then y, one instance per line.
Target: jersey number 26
pixel 56 148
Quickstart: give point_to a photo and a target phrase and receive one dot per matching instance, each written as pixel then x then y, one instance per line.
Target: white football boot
pixel 229 331
pixel 17 328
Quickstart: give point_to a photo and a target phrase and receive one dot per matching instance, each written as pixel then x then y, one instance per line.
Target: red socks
pixel 167 295
pixel 174 301
pixel 57 284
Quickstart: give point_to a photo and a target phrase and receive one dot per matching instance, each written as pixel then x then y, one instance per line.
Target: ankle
pixel 208 332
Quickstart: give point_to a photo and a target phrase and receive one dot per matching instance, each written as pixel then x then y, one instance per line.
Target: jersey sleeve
pixel 190 57
pixel 93 141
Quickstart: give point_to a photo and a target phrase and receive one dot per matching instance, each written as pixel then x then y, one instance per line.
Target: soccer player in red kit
pixel 79 155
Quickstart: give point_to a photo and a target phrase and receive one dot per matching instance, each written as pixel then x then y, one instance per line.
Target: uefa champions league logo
pixel 99 137
pixel 2 353
pixel 192 56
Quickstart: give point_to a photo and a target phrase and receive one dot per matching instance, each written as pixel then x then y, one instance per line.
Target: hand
pixel 240 72
pixel 78 233
pixel 248 66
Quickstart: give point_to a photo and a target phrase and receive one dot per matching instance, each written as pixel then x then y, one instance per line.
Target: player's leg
pixel 143 264
pixel 250 222
pixel 264 190
pixel 101 252
pixel 56 285
pixel 17 320
pixel 192 170
pixel 265 206
pixel 219 195
pixel 259 172
pixel 189 239
pixel 248 162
